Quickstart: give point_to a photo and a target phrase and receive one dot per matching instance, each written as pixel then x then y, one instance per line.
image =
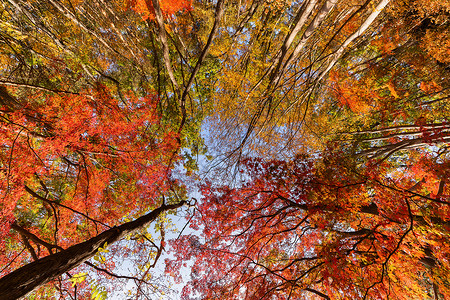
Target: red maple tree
pixel 74 165
pixel 146 7
pixel 298 229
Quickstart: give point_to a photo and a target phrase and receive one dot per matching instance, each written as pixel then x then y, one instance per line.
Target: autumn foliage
pixel 314 134
pixel 295 230
pixel 76 164
pixel 146 10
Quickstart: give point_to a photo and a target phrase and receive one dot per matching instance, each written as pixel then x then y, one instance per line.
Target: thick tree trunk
pixel 23 280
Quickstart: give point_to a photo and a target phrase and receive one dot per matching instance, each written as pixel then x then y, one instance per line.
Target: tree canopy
pixel 305 144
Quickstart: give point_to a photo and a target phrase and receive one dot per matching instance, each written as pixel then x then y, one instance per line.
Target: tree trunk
pixel 23 280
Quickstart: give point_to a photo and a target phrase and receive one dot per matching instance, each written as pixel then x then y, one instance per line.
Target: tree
pixel 76 164
pixel 276 57
pixel 301 228
pixel 17 284
pixel 72 45
pixel 338 68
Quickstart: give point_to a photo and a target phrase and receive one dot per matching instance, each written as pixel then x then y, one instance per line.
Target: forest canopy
pixel 265 149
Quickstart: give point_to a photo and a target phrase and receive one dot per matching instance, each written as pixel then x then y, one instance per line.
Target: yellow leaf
pixel 390 86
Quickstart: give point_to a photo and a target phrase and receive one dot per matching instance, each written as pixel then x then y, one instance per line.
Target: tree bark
pixel 23 280
pixel 165 46
pixel 335 57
